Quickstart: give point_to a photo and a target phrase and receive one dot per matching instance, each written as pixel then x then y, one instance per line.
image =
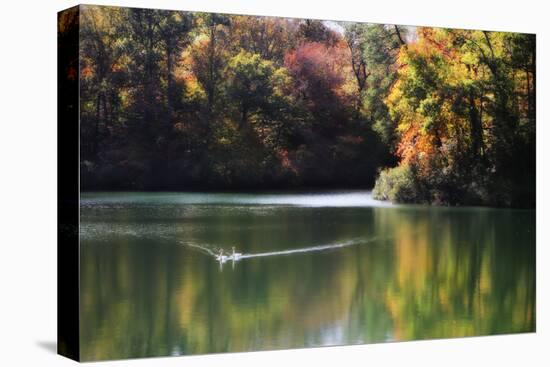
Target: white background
pixel 28 182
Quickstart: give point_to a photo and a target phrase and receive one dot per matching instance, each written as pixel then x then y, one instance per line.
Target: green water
pixel 366 272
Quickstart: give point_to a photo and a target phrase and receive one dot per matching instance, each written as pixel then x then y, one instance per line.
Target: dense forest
pixel 174 100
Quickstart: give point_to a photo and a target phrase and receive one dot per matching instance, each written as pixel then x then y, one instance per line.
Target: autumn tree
pixel 209 55
pixel 354 40
pixel 174 28
pixel 254 85
pixel 266 36
pixel 102 65
pixel 310 30
pixel 373 51
pixel 317 71
pixel 457 101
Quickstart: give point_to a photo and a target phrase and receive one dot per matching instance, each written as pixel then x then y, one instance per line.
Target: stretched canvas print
pixel 233 183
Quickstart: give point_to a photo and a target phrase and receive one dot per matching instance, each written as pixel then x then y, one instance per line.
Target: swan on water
pixel 221 257
pixel 235 255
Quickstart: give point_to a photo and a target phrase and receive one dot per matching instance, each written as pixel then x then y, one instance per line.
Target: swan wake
pixel 218 253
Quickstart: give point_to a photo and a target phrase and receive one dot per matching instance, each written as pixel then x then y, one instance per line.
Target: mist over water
pixel 315 199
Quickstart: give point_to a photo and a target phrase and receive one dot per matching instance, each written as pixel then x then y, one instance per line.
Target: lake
pixel 315 270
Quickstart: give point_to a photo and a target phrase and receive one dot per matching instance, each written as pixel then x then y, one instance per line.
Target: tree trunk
pixel 534 86
pixel 528 95
pixel 475 127
pixel 244 116
pixel 398 33
pixel 96 129
pixel 169 101
pixel 210 87
pixel 149 95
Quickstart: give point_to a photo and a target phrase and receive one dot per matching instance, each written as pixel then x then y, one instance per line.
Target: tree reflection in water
pixel 435 272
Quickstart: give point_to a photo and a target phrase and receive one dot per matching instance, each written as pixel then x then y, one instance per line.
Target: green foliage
pixel 398 185
pixel 251 84
pixel 374 49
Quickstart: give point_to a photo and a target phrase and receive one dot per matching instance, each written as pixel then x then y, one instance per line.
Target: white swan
pixel 236 255
pixel 221 257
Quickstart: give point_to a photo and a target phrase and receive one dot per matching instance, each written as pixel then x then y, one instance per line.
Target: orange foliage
pixel 86 71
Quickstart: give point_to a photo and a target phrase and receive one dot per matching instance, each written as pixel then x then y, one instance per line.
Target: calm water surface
pixel 317 270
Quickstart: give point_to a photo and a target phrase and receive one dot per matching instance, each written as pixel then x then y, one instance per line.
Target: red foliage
pixel 317 72
pixel 285 160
